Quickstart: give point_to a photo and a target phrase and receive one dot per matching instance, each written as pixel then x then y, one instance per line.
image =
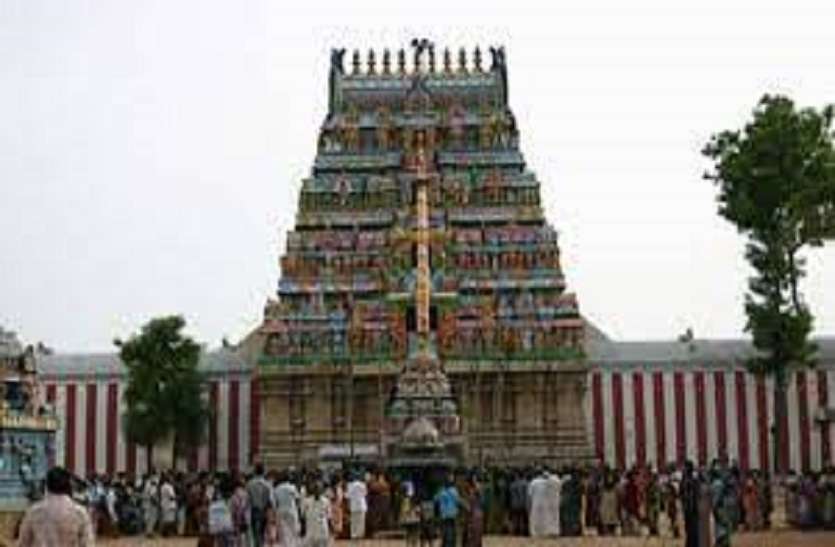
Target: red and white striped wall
pixel 90 438
pixel 653 413
pixel 670 414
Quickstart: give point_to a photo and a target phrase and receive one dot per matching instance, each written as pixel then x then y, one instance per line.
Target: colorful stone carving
pixel 420 239
pixel 27 424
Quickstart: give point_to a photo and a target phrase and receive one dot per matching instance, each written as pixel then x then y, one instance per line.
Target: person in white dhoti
pixel 544 495
pixel 286 498
pixel 357 494
pixel 150 504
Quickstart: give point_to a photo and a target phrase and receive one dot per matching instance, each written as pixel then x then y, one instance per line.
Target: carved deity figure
pixel 494 129
pixel 384 128
pixel 430 140
pixel 31 402
pixel 349 133
pixel 456 125
pixel 504 131
pixel 407 141
pixel 447 332
pixel 421 160
pixel 399 333
pixel 273 345
pixel 343 190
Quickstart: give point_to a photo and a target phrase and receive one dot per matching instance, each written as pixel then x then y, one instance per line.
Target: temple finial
pixel 386 62
pixel 432 58
pixel 462 60
pixel 499 65
pixel 355 62
pixel 336 72
pixel 477 59
pixel 372 62
pixel 401 61
pixel 447 61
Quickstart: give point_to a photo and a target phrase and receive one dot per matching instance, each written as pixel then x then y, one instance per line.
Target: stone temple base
pixel 515 415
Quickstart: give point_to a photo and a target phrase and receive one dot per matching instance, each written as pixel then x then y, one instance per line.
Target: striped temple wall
pixel 635 413
pixel 670 414
pixel 91 439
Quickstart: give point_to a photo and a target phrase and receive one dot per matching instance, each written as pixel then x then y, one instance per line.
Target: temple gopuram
pixel 421 310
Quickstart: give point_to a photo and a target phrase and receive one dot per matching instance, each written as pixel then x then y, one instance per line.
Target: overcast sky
pixel 151 153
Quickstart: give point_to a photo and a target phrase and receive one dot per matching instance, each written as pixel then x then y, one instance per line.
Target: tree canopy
pixel 776 179
pixel 163 394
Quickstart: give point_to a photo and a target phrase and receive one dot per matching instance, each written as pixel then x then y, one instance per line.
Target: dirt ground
pixel 782 538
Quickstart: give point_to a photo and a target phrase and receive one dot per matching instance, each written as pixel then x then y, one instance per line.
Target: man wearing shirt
pixel 260 499
pixel 57 519
pixel 357 493
pixel 448 501
pixel 519 504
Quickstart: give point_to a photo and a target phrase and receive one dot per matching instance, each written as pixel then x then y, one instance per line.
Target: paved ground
pixel 784 538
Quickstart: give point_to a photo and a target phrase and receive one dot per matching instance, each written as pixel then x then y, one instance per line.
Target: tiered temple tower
pixel 421 301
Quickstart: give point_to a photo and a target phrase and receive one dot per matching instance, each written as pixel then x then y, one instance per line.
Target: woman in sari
pixel 792 487
pixel 593 487
pixel 337 498
pixel 827 492
pixel 806 498
pixel 271 537
pixel 474 514
pixel 609 506
pixel 240 508
pixel 751 504
pixel 704 508
pixel 571 505
pixel 204 538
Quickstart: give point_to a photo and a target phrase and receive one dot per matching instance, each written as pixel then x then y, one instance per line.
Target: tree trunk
pixel 793 275
pixel 781 435
pixel 149 458
pixel 174 452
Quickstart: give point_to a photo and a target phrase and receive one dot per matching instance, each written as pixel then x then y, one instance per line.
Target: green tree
pixel 776 179
pixel 163 394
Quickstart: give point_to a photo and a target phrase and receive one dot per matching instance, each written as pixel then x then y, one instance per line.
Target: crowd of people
pixel 313 507
pixel 810 500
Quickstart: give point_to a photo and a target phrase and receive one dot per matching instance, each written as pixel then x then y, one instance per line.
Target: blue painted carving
pixel 27 426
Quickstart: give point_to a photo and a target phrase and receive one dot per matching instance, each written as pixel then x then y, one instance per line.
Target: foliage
pixel 163 394
pixel 776 180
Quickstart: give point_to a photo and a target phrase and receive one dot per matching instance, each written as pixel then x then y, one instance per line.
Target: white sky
pixel 151 153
